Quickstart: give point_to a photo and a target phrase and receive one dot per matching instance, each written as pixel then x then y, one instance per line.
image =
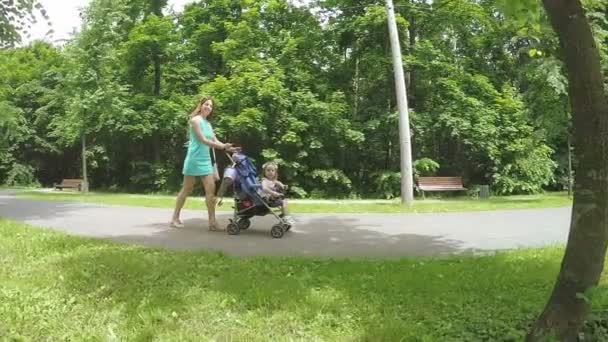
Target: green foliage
pixel 596 324
pixel 388 184
pixel 27 79
pixel 425 167
pixel 149 176
pixel 16 17
pixel 147 41
pixel 480 124
pixel 329 182
pixel 21 175
pixel 309 87
pixel 528 173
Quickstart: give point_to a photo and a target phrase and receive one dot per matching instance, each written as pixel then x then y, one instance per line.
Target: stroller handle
pixel 230 157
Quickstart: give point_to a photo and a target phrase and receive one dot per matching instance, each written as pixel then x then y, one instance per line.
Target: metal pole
pixel 85 179
pixel 407 182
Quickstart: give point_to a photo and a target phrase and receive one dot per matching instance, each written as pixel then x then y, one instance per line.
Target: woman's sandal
pixel 176 224
pixel 214 227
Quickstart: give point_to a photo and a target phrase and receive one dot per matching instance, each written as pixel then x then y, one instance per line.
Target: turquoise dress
pixel 198 157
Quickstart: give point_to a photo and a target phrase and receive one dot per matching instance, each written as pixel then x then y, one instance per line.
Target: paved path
pixel 333 235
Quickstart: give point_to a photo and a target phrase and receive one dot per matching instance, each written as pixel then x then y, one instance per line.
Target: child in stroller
pixel 273 191
pixel 248 199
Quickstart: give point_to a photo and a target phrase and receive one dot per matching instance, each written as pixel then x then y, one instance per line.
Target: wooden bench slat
pixel 440 187
pixel 69 183
pixel 440 184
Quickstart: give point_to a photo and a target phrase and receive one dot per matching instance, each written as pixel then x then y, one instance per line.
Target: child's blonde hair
pixel 271 164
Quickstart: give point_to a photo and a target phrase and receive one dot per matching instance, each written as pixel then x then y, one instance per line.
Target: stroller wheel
pixel 287 228
pixel 233 228
pixel 277 231
pixel 243 223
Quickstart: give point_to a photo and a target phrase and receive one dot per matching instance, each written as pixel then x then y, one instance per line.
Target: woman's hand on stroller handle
pixel 228 147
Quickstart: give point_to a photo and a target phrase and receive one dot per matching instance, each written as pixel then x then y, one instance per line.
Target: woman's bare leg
pixel 186 190
pixel 209 185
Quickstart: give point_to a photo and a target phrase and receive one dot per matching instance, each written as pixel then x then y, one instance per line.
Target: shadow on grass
pixel 465 298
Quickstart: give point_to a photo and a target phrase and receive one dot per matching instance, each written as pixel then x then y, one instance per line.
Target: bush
pixel 425 167
pixel 149 177
pixel 388 184
pixel 296 191
pixel 21 175
pixel 526 173
pixel 333 183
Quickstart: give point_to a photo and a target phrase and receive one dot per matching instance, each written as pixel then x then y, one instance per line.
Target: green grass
pixel 58 287
pixel 459 203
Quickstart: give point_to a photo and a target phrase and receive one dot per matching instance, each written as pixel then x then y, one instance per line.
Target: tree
pixel 96 106
pixel 270 100
pixel 309 84
pixel 15 19
pixel 583 262
pixel 29 77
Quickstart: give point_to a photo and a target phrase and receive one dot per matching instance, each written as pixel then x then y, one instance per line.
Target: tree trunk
pixel 389 156
pixel 156 8
pixel 157 78
pixel 387 161
pixel 411 74
pixel 583 261
pixel 85 178
pixel 570 180
pixel 356 83
pixel 157 73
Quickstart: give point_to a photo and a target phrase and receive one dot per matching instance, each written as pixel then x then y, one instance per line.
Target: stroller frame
pixel 241 219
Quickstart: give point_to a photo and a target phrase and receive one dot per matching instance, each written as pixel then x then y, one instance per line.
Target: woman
pixel 198 161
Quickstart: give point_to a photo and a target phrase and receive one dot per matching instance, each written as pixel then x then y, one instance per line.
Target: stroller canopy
pixel 244 176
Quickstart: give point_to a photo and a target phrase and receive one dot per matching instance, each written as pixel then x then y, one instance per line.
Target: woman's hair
pixel 200 103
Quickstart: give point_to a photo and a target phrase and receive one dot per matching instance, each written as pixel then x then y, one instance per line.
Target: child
pixel 273 190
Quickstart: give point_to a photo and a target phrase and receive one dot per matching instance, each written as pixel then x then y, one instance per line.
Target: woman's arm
pixel 215 139
pixel 195 123
pixel 229 147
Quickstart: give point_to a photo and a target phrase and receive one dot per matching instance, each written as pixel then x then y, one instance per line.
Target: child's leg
pixel 285 210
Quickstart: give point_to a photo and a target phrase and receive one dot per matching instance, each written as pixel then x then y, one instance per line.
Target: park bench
pixel 439 184
pixel 69 184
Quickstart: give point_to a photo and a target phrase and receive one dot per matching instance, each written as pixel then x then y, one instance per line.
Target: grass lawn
pixel 58 287
pixel 459 203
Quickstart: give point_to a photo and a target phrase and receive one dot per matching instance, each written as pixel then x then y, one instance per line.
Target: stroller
pixel 248 202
